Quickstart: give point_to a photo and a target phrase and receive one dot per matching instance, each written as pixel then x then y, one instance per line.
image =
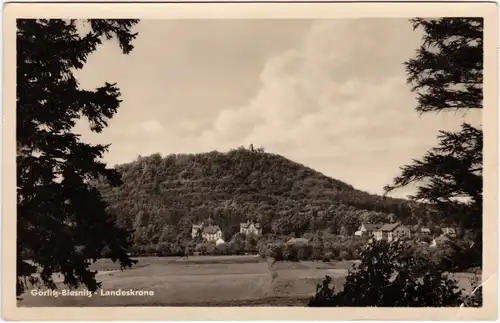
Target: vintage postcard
pixel 244 161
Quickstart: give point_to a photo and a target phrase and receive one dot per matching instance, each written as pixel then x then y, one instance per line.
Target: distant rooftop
pixel 389 227
pixel 248 223
pixel 211 229
pixel 373 226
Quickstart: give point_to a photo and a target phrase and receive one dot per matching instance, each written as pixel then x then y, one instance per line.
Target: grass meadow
pixel 208 281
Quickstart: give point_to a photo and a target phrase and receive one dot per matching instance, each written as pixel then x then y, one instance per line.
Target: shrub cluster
pixel 333 249
pixel 392 275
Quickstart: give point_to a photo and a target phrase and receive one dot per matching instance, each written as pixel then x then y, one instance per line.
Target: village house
pixel 414 228
pixel 392 231
pixel 449 231
pixel 250 228
pixel 211 233
pixel 367 229
pixel 207 232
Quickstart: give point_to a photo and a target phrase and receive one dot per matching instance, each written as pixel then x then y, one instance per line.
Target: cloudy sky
pixel 329 94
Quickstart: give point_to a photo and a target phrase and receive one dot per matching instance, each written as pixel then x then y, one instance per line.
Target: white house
pixel 250 228
pixel 392 231
pixel 367 229
pixel 211 233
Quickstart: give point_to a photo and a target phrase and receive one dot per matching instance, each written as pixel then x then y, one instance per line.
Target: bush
pixel 335 249
pixel 276 251
pixel 391 275
pixel 201 248
pixel 328 256
pixel 210 248
pixel 475 299
pixel 290 252
pixel 163 248
pixel 317 252
pixel 343 255
pixel 456 255
pixel 106 252
pixel 264 251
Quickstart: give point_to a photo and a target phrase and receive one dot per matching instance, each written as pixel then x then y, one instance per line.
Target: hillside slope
pixel 162 197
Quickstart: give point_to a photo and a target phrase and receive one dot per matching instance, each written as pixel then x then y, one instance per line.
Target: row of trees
pixel 237 245
pixel 453 255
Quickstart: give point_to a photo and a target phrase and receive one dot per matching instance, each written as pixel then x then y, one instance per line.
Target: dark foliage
pixel 62 221
pixel 447 71
pixel 447 75
pixel 392 275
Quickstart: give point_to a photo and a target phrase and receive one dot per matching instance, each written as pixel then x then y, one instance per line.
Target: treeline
pixel 238 245
pixel 338 248
pixel 407 275
pixel 162 197
pixel 454 255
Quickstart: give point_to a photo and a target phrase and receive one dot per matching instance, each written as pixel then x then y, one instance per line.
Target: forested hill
pixel 162 197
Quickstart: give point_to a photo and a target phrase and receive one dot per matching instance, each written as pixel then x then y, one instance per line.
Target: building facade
pixel 211 233
pixel 392 231
pixel 250 228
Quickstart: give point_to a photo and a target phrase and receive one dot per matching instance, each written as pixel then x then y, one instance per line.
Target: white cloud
pixel 339 104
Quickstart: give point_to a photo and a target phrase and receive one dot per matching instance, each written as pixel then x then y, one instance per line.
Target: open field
pixel 208 281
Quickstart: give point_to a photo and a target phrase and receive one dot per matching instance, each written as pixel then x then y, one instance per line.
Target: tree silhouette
pixel 447 75
pixel 62 222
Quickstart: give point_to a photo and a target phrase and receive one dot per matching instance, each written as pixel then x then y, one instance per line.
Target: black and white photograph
pixel 250 162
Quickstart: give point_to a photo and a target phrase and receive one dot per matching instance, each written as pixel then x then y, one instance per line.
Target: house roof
pixel 247 224
pixel 211 229
pixel 372 226
pixel 298 240
pixel 389 227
